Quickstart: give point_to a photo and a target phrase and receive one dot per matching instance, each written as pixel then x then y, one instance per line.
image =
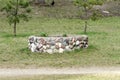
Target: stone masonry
pixel 57 44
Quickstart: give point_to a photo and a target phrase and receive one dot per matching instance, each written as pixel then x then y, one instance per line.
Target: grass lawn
pixel 65 77
pixel 104 43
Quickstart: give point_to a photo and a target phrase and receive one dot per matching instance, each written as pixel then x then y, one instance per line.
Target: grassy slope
pixel 103 35
pixel 66 77
pixel 104 49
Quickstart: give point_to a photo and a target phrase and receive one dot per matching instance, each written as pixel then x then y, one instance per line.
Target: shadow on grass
pixel 25 50
pixel 90 48
pixel 12 36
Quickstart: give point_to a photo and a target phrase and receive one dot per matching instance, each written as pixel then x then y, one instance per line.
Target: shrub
pixel 43 34
pixel 64 35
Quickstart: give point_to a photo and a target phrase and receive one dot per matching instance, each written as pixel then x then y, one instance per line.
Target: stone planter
pixel 57 44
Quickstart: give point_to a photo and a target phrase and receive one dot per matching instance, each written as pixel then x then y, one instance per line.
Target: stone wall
pixel 57 44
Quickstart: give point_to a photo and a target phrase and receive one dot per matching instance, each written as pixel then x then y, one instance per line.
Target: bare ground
pixel 58 71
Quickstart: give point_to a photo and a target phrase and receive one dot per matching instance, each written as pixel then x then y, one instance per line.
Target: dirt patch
pixel 53 71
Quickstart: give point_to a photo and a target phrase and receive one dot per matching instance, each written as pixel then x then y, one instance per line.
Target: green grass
pixel 66 77
pixel 104 47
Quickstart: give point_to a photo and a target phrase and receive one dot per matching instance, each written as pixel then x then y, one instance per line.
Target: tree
pixel 15 11
pixel 86 6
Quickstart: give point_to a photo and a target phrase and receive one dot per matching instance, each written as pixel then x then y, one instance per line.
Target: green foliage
pixel 28 10
pixel 87 6
pixel 43 34
pixel 96 15
pixel 16 10
pixel 24 3
pixel 64 35
pixel 87 3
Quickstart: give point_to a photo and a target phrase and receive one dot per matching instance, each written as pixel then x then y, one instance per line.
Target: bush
pixel 43 34
pixel 64 35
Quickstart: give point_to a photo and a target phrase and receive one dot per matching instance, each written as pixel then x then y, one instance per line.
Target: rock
pixel 57 44
pixel 50 51
pixel 47 46
pixel 53 47
pixel 55 50
pixel 61 50
pixel 71 46
pixel 67 48
pixel 77 43
pixel 33 47
pixel 86 46
pixel 60 45
pixel 44 47
pixel 32 39
pixel 106 12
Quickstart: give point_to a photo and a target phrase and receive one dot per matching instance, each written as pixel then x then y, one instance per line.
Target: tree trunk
pixel 15 22
pixel 85 28
pixel 15 28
